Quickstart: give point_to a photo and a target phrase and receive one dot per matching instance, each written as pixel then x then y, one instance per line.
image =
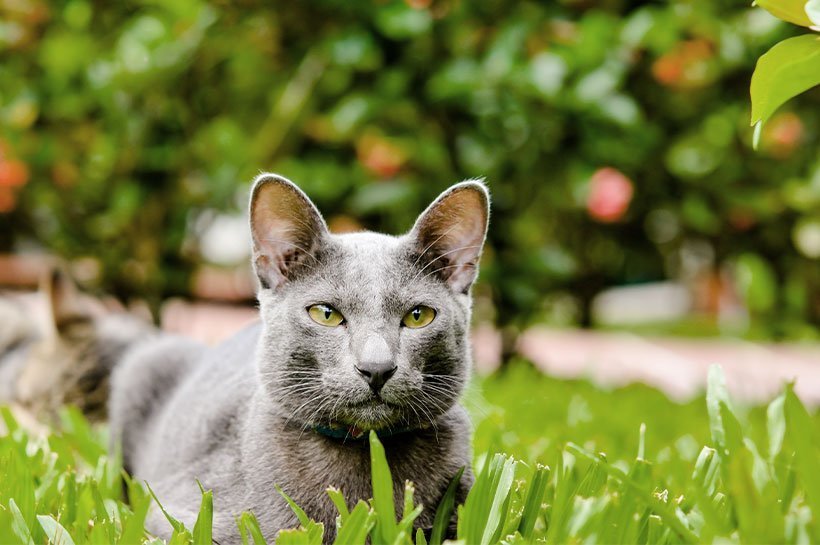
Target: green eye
pixel 419 316
pixel 325 315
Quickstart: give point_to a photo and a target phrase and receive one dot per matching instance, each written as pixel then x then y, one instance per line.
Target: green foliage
pixel 135 127
pixel 786 70
pixel 755 481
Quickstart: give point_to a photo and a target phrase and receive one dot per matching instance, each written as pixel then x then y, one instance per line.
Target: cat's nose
pixel 376 373
pixel 376 364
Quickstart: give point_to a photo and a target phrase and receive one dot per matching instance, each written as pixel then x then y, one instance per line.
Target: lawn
pixel 557 461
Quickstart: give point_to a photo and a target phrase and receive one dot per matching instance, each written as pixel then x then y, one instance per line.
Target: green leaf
pixel 776 424
pixel 410 511
pixel 386 526
pixel 178 527
pixel 304 520
pixel 786 70
pixel 18 524
pixel 203 527
pixel 57 535
pixel 444 512
pixel 792 11
pixel 249 525
pixel 715 394
pixel 532 505
pixel 356 526
pixel 804 437
pixel 338 500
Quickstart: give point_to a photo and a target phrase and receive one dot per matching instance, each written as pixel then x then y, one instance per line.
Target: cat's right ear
pixel 286 228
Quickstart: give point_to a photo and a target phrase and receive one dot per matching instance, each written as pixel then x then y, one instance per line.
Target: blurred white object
pixel 226 240
pixel 643 303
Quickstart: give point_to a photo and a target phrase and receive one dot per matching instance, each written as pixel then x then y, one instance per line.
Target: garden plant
pixel 701 472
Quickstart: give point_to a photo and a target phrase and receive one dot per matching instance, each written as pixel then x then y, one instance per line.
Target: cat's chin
pixel 373 414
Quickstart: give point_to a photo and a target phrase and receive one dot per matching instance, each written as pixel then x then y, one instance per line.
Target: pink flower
pixel 610 193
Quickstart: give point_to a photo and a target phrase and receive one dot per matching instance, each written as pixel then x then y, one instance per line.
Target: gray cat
pixel 359 332
pixel 68 363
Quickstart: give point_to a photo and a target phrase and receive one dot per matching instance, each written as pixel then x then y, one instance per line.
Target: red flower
pixel 610 193
pixel 13 173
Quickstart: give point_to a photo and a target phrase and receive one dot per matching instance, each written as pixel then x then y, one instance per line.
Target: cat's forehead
pixel 367 255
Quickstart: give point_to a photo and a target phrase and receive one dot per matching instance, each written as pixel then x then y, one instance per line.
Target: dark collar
pixel 353 433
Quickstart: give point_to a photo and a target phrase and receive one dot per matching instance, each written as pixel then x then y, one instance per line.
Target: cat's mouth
pixel 374 412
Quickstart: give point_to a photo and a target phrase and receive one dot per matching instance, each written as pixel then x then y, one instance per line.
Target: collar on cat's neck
pixel 353 433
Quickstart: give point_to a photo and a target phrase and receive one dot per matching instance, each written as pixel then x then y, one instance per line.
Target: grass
pixel 556 462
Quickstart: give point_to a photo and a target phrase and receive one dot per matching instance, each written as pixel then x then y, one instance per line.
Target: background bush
pixel 614 136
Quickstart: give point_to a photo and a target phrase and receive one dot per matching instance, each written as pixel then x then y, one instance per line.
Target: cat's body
pixel 255 411
pixel 67 361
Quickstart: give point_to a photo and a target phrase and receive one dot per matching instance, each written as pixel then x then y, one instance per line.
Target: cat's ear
pixel 450 234
pixel 66 305
pixel 286 228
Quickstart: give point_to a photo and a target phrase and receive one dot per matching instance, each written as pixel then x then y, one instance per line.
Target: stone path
pixel 754 372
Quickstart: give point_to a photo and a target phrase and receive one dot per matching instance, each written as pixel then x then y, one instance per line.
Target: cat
pixel 358 332
pixel 67 362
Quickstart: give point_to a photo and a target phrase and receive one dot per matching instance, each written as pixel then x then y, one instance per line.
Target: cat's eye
pixel 419 316
pixel 325 315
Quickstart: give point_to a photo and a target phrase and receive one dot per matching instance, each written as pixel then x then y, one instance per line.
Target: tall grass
pixel 746 485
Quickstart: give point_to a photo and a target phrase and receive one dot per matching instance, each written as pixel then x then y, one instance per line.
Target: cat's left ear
pixel 66 304
pixel 449 235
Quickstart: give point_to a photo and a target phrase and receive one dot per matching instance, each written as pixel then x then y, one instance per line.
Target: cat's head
pixel 365 330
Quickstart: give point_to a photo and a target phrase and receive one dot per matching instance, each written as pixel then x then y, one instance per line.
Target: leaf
pixel 203 527
pixel 786 70
pixel 410 511
pixel 356 526
pixel 386 527
pixel 803 436
pixel 304 520
pixel 776 424
pixel 444 512
pixel 175 524
pixel 715 393
pixel 249 525
pixel 18 524
pixel 792 11
pixel 338 500
pixel 55 532
pixel 532 505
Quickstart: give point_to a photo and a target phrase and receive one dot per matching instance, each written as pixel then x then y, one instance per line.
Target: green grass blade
pixel 57 535
pixel 19 526
pixel 357 525
pixel 175 524
pixel 420 539
pixel 500 502
pixel 386 527
pixel 203 527
pixel 532 504
pixel 304 520
pixel 715 393
pixel 338 500
pixel 444 512
pixel 802 434
pixel 247 523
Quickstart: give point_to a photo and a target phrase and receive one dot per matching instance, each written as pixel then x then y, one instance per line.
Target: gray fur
pixel 70 363
pixel 241 417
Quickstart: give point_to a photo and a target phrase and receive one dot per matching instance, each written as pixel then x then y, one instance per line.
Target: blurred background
pixel 613 134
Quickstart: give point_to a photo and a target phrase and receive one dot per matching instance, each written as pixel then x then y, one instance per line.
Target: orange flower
pixel 379 155
pixel 13 173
